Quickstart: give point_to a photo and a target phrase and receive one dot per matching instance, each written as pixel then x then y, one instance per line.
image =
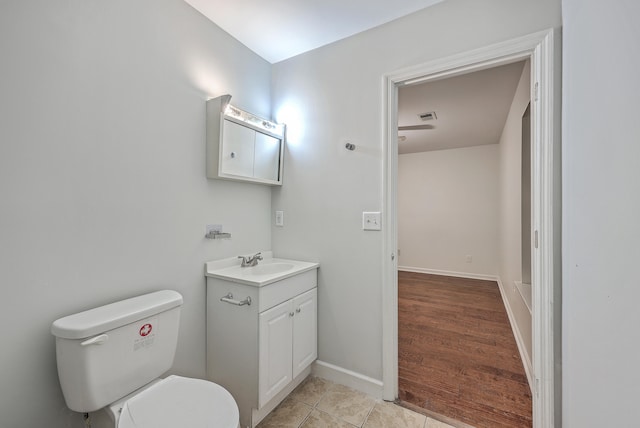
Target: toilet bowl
pixel 176 402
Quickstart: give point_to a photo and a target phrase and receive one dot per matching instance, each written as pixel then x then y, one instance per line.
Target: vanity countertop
pixel 267 271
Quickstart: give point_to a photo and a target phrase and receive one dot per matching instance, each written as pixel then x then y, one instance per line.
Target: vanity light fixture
pixel 238 115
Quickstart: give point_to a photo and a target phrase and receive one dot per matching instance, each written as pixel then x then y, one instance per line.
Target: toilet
pixel 110 360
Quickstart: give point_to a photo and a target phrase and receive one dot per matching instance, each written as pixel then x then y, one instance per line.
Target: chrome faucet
pixel 248 261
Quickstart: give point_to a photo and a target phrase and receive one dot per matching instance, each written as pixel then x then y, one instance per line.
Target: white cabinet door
pixel 276 325
pixel 238 150
pixel 266 162
pixel 305 330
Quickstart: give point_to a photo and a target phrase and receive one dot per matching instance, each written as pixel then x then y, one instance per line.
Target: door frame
pixel 539 47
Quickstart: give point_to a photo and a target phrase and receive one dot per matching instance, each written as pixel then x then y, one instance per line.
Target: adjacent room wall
pixel 601 202
pixel 510 211
pixel 332 95
pixel 447 210
pixel 103 194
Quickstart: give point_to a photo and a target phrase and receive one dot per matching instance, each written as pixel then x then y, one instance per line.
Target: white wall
pixel 448 209
pixel 335 93
pixel 510 211
pixel 601 202
pixel 102 175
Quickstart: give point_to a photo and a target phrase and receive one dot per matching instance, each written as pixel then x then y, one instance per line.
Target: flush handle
pixel 98 340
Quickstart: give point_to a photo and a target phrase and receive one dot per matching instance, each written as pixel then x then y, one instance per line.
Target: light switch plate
pixel 371 221
pixel 279 218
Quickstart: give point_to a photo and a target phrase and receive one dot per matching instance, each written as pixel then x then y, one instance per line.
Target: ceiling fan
pixel 430 115
pixel 415 127
pixel 411 128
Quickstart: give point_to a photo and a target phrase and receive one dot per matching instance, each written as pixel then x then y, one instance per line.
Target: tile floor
pixel 319 403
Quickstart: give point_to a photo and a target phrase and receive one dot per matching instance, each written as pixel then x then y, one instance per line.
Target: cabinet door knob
pixel 298 310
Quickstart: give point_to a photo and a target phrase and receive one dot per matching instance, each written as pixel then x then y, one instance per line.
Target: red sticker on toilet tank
pixel 145 330
pixel 144 333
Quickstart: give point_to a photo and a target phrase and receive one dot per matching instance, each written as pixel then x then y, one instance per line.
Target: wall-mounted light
pixel 238 115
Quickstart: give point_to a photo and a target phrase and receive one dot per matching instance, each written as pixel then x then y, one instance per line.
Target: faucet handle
pixel 250 260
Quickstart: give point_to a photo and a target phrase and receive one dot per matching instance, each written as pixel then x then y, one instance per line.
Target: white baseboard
pixel 525 292
pixel 357 381
pixel 528 367
pixel 449 273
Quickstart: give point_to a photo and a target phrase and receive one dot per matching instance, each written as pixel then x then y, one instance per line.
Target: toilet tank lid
pixel 114 315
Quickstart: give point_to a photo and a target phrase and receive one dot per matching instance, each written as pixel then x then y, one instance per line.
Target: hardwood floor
pixel 457 356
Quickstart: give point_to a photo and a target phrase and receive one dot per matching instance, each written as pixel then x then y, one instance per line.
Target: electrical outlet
pixel 279 218
pixel 371 221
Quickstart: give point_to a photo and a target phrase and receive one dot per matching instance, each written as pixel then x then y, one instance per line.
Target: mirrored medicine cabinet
pixel 242 146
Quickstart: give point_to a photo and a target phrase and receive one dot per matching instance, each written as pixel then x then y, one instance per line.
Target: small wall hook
pixel 350 146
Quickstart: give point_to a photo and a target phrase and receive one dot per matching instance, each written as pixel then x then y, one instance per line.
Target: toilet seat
pixel 180 402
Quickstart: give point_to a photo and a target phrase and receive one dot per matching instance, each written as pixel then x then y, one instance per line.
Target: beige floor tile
pixel 311 390
pixel 318 419
pixel 432 423
pixel 289 414
pixel 347 404
pixel 386 415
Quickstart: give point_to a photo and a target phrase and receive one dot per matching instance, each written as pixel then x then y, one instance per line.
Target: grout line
pixel 369 414
pixel 331 387
pixel 305 418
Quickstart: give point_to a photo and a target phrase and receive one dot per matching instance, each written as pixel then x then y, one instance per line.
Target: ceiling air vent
pixel 431 115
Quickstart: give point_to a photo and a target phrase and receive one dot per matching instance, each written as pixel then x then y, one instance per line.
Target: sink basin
pixel 267 271
pixel 270 268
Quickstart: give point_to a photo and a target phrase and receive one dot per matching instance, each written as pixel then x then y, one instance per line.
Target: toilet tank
pixel 108 352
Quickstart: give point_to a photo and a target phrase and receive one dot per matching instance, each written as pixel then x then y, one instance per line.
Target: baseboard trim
pixel 449 273
pixel 357 381
pixel 528 367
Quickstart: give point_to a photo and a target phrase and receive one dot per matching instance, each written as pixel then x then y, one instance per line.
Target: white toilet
pixel 110 359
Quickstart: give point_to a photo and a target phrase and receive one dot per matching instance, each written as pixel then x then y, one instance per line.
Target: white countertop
pixel 267 271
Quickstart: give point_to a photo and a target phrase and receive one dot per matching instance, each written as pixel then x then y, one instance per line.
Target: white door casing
pixel 539 47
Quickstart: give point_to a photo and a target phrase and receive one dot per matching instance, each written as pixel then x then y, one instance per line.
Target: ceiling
pixel 471 109
pixel 280 29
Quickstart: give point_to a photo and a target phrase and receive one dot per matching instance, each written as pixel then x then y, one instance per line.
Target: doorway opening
pixel 459 230
pixel 539 49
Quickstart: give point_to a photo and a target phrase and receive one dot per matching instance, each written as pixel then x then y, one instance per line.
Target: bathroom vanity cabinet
pixel 261 351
